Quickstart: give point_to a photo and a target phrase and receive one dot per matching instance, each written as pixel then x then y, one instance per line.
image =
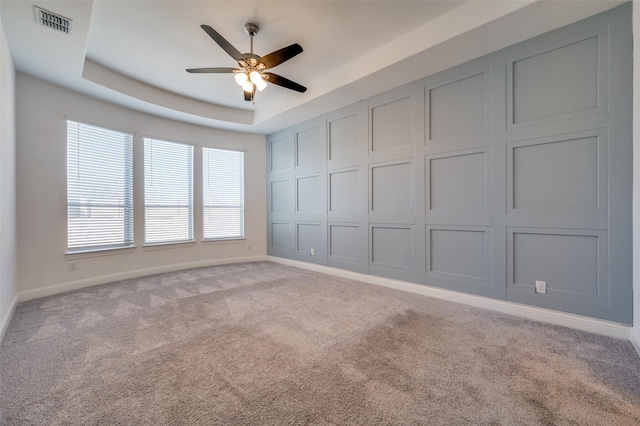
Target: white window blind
pixel 168 192
pixel 223 193
pixel 99 188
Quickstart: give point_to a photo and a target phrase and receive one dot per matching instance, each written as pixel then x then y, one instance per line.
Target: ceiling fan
pixel 251 74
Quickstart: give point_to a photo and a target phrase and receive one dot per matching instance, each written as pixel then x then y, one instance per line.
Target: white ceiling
pixel 134 53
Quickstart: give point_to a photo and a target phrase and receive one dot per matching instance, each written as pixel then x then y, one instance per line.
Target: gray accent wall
pixel 485 178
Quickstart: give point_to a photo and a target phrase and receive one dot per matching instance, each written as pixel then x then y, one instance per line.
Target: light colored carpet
pixel 266 344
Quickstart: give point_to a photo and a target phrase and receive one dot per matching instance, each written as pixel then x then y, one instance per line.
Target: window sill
pixel 164 246
pixel 82 254
pixel 224 241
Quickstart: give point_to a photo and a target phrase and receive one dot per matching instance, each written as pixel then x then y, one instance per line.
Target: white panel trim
pixel 4 322
pixel 578 322
pixel 635 339
pixel 104 279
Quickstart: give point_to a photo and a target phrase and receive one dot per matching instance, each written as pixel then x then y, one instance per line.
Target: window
pixel 99 188
pixel 223 193
pixel 168 192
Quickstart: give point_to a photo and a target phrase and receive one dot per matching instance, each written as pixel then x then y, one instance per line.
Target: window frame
pixel 205 206
pixel 127 148
pixel 190 206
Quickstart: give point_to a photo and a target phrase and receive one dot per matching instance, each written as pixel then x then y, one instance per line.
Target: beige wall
pixel 42 111
pixel 8 285
pixel 635 332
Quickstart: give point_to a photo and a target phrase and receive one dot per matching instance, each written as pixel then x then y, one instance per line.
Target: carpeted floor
pixel 266 344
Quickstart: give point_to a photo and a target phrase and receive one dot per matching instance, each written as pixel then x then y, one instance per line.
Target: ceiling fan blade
pixel 212 70
pixel 279 56
pixel 232 51
pixel 284 82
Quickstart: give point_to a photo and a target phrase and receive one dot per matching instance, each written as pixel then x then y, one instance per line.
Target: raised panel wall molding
pixel 484 178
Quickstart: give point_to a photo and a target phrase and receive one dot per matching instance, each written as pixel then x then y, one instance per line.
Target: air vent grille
pixel 52 20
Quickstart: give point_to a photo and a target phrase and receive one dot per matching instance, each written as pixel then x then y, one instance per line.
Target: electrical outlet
pixel 248 246
pixel 312 252
pixel 72 266
pixel 541 287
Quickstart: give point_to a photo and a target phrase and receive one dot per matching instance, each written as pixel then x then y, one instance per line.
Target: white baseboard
pixel 4 321
pixel 119 276
pixel 635 339
pixel 579 322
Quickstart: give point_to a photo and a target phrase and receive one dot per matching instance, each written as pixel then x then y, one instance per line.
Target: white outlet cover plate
pixel 541 287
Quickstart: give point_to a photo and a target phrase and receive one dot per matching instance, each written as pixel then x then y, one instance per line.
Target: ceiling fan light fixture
pixel 256 78
pixel 261 85
pixel 247 86
pixel 241 78
pixel 250 75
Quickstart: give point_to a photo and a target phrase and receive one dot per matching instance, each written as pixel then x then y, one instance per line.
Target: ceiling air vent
pixel 52 20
